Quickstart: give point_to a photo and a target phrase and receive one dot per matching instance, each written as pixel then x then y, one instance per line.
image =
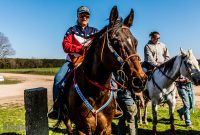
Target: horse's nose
pixel 196 78
pixel 137 83
pixel 196 82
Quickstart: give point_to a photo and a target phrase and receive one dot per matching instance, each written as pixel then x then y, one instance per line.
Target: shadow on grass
pixel 178 132
pixel 140 130
pixel 58 130
pixel 10 133
pixel 149 132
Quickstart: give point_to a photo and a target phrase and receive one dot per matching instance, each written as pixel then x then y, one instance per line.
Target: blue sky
pixel 36 28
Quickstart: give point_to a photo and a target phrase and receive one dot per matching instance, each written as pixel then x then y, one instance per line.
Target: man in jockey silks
pixel 186 93
pixel 155 52
pixel 76 41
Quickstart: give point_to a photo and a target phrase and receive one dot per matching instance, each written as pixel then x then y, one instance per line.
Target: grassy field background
pixel 12 120
pixel 12 117
pixel 38 71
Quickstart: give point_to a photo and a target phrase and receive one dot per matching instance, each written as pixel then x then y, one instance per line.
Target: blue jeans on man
pixel 126 102
pixel 60 77
pixel 187 95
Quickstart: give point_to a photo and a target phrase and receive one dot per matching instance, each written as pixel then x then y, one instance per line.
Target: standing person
pixel 76 41
pixel 186 93
pixel 155 52
pixel 126 101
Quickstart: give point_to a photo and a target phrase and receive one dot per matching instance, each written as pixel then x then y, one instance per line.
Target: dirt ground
pixel 14 93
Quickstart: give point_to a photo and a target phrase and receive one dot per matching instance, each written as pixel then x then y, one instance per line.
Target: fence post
pixel 36 111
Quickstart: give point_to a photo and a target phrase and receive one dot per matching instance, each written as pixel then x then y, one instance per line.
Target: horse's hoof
pixel 140 122
pixel 154 131
pixel 172 133
pixel 146 123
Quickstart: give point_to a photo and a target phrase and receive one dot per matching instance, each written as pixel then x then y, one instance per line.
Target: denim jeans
pixel 129 115
pixel 187 96
pixel 59 78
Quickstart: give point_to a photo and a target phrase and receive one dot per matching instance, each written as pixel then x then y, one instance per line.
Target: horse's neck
pixel 94 70
pixel 173 74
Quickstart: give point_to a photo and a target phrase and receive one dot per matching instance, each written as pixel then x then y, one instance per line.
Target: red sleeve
pixel 71 45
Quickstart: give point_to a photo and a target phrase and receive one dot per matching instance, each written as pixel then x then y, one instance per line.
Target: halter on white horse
pixel 162 82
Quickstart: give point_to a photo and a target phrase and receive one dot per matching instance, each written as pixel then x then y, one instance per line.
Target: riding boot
pixel 117 113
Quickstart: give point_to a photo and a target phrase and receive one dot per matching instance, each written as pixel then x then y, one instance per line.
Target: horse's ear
pixel 190 52
pixel 113 15
pixel 129 19
pixel 183 52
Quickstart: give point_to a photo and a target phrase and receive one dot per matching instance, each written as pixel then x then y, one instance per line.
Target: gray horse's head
pixel 190 66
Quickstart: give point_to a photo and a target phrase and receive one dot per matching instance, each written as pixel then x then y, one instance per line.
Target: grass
pixel 39 71
pixel 9 81
pixel 12 120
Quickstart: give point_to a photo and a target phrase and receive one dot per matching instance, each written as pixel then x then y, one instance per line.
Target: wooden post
pixel 36 111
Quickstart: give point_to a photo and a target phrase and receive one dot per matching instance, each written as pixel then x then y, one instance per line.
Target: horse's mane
pixel 168 65
pixel 90 53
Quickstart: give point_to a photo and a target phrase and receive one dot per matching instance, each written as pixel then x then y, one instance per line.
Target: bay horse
pixel 89 101
pixel 161 84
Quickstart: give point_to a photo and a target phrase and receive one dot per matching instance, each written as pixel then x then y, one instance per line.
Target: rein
pixel 167 75
pixel 105 88
pixel 154 82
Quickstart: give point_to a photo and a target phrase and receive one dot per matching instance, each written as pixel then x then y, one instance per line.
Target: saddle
pixel 78 60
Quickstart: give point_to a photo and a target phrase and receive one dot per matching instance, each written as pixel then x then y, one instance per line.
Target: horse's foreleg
pixel 139 112
pixel 68 125
pixel 107 131
pixel 145 113
pixel 171 113
pixel 154 113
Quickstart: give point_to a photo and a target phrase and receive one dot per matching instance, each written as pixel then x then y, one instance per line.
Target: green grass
pixel 12 120
pixel 9 81
pixel 40 71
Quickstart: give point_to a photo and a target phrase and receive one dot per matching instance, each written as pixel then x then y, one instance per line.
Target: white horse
pixel 161 86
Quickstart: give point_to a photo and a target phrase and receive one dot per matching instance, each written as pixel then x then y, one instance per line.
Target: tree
pixel 5 47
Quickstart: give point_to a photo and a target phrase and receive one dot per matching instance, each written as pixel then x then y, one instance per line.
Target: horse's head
pixel 190 67
pixel 121 50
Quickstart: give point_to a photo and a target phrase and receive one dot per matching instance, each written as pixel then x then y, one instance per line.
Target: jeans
pixel 129 115
pixel 126 102
pixel 187 97
pixel 60 77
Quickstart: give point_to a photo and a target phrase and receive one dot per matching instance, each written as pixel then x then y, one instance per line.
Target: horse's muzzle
pixel 196 78
pixel 137 84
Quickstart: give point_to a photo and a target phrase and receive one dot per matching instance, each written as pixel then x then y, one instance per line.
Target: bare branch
pixel 5 47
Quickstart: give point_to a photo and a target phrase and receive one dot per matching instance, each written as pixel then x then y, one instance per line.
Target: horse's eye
pixel 190 64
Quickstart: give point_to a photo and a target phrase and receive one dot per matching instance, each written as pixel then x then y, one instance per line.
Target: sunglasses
pixel 155 37
pixel 84 15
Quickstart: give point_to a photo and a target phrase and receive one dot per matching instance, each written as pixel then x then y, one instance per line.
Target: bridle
pixel 121 61
pixel 168 77
pixel 188 69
